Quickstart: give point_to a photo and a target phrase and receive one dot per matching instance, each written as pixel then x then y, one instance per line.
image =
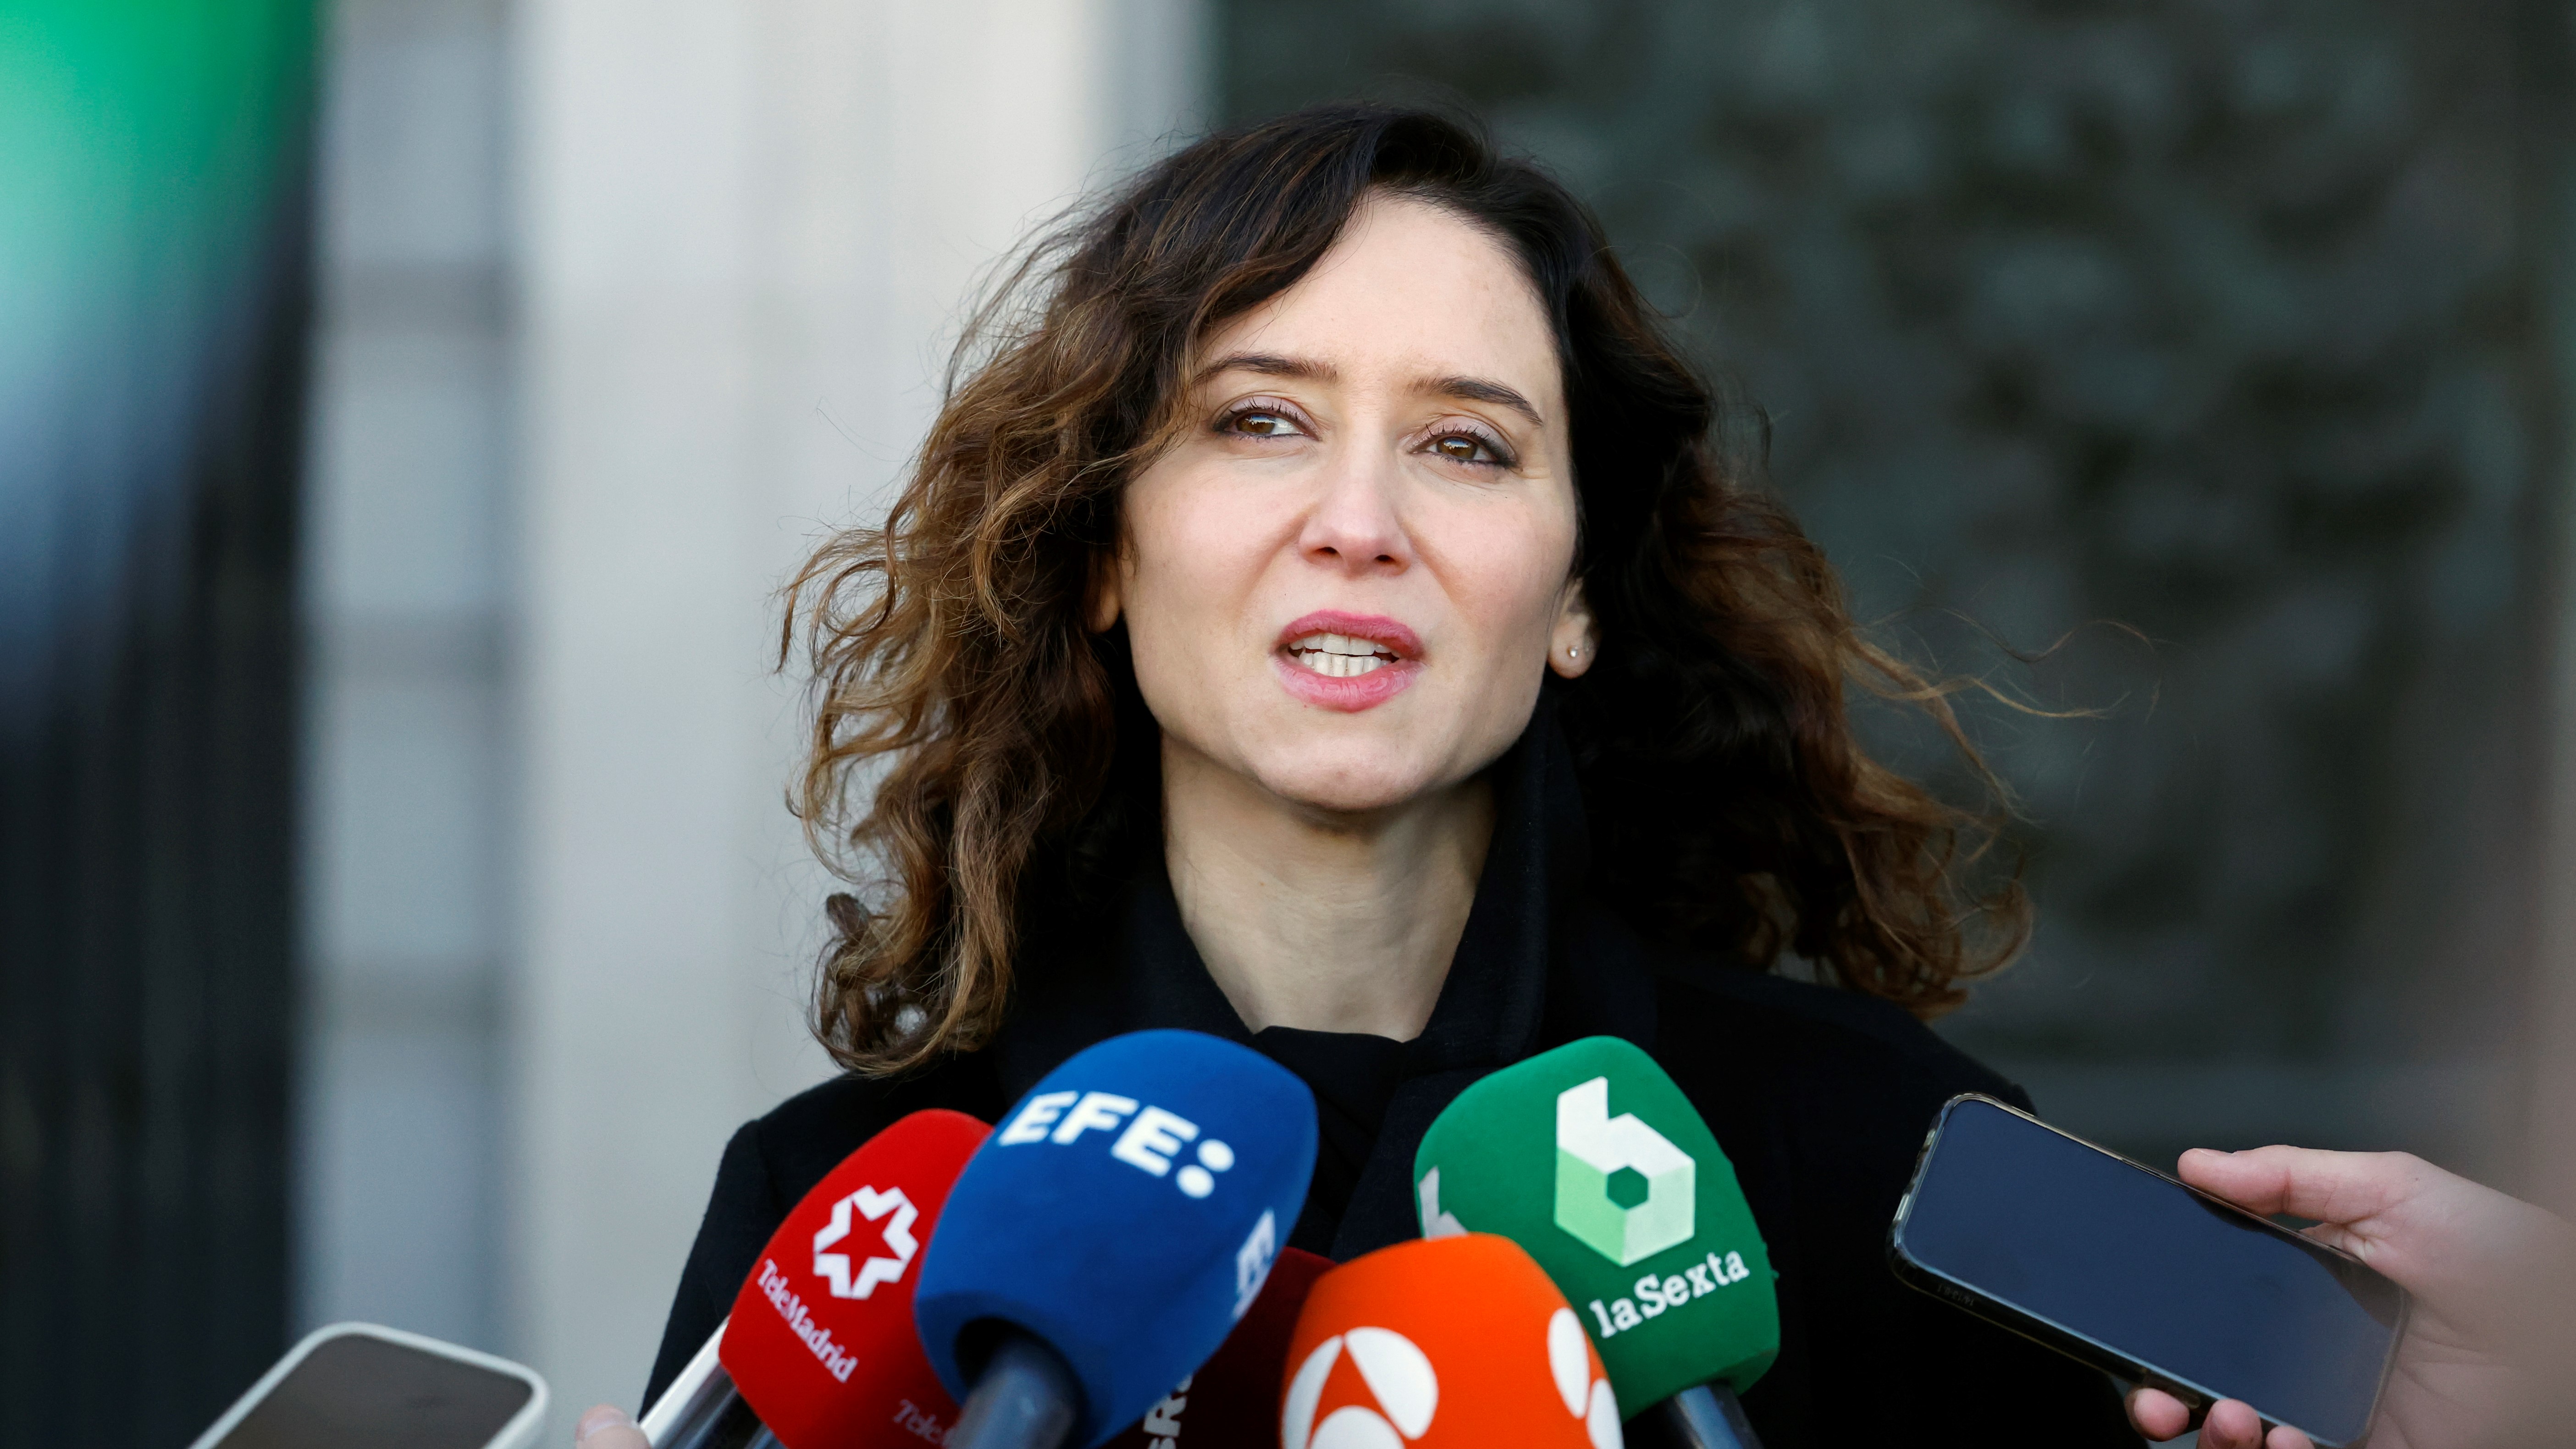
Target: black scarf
pixel 1535 967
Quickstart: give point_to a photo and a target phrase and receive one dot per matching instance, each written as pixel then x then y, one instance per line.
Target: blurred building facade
pixel 622 305
pixel 407 591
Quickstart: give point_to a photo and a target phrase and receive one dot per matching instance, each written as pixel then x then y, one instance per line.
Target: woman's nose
pixel 1354 525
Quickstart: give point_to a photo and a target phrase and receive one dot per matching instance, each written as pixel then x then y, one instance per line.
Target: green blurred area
pixel 142 145
pixel 154 291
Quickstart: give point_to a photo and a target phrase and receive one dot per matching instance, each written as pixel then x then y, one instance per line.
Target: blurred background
pixel 407 408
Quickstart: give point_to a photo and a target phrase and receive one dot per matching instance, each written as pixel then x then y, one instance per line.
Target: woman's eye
pixel 1261 424
pixel 1466 448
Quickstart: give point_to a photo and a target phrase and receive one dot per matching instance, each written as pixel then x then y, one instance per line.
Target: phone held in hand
pixel 352 1384
pixel 2142 1276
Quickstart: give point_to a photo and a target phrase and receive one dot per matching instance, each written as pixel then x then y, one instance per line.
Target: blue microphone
pixel 1100 1245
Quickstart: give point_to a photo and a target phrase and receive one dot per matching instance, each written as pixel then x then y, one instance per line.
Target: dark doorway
pixel 151 388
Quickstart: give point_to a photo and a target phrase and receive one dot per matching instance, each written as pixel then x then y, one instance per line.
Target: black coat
pixel 1819 1097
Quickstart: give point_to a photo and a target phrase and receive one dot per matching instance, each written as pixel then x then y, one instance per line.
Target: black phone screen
pixel 2146 1268
pixel 359 1390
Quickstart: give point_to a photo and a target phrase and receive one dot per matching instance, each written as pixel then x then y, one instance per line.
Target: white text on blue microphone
pixel 1150 1142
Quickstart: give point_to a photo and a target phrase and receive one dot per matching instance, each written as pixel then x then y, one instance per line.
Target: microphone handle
pixel 1704 1416
pixel 1027 1398
pixel 703 1410
pixel 715 1419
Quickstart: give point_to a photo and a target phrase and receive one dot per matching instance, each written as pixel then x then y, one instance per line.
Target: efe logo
pixel 834 1268
pixel 1163 1421
pixel 1252 1261
pixel 1149 1143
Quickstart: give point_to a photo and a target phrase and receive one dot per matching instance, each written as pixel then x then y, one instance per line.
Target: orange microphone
pixel 1445 1343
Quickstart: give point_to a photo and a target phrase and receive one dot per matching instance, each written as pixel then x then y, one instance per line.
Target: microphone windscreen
pixel 1590 1158
pixel 1447 1343
pixel 1126 1213
pixel 1233 1399
pixel 821 1342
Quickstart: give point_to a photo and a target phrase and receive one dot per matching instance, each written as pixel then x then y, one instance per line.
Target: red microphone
pixel 1444 1343
pixel 1233 1399
pixel 820 1345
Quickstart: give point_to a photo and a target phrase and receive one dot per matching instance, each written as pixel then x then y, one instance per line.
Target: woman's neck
pixel 1320 921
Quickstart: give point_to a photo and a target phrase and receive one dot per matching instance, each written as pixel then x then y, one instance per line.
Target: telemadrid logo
pixel 1404 1390
pixel 834 1268
pixel 1591 1147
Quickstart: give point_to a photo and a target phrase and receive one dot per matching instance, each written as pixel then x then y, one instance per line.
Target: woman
pixel 1320 617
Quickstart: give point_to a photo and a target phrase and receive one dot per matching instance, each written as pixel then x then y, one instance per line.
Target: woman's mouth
pixel 1347 662
pixel 1339 656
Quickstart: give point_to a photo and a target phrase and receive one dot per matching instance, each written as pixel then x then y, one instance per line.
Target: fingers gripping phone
pixel 359 1386
pixel 2143 1276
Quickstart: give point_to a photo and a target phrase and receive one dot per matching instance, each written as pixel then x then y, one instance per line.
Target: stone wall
pixel 2168 361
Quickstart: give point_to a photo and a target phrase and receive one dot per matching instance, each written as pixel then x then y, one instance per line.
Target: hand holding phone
pixel 2486 1355
pixel 2147 1278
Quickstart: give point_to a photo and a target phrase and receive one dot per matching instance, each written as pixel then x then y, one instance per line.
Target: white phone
pixel 362 1386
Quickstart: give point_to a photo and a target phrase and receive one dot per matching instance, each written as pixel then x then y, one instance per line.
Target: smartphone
pixel 2141 1276
pixel 361 1386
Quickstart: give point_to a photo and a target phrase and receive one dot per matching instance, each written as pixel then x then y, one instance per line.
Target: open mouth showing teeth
pixel 1339 656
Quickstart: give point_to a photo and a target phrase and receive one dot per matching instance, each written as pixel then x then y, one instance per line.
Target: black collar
pixel 1537 965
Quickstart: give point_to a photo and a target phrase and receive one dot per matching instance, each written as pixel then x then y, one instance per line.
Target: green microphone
pixel 1595 1163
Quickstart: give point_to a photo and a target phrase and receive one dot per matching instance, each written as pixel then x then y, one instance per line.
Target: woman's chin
pixel 1352 787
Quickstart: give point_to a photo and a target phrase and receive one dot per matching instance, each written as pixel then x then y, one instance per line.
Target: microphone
pixel 819 1351
pixel 1591 1159
pixel 1103 1242
pixel 1233 1399
pixel 1444 1343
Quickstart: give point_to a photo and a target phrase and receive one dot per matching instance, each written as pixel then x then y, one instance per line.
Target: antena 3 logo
pixel 1149 1144
pixel 834 1268
pixel 1591 1147
pixel 1404 1390
pixel 1398 1376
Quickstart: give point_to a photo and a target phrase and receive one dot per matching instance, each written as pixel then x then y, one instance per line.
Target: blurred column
pixel 406 596
pixel 747 229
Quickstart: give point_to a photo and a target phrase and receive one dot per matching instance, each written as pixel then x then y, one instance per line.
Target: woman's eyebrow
pixel 1478 389
pixel 1269 364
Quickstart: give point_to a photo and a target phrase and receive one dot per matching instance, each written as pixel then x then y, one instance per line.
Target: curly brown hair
pixel 981 760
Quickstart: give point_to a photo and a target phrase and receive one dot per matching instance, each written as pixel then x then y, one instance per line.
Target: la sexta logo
pixel 872 1205
pixel 1593 1149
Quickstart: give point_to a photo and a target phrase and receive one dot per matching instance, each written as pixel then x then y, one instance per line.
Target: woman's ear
pixel 1572 643
pixel 1100 601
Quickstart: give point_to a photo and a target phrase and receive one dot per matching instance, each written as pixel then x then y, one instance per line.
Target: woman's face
pixel 1345 580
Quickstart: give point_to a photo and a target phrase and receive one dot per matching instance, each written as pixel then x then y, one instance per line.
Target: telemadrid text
pixel 837 1361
